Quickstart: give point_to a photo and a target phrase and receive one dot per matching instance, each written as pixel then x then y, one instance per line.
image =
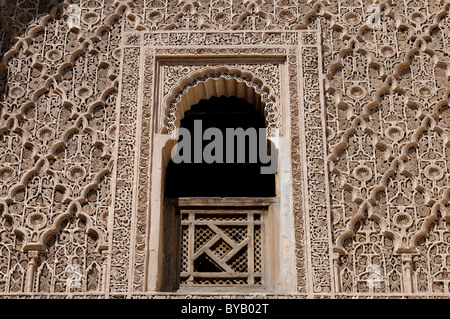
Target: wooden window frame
pixel 172 275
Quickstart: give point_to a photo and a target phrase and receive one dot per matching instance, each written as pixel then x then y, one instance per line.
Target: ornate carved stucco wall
pixel 367 115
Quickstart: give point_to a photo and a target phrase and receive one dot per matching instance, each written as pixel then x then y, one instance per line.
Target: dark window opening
pixel 220 179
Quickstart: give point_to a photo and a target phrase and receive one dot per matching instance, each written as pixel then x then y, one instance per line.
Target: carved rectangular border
pixel 120 235
pixel 317 186
pixel 130 234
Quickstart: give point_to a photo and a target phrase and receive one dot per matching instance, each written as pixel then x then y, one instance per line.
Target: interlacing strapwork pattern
pixel 13 262
pixel 221 249
pixel 388 133
pixel 58 132
pixel 384 83
pixel 71 262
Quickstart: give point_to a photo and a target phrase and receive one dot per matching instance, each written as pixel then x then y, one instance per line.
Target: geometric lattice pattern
pixel 221 248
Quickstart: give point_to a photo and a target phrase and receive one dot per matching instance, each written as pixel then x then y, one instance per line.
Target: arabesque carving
pixel 369 127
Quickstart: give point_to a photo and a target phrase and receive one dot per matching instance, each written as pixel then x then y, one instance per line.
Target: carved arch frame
pixel 218 80
pixel 303 267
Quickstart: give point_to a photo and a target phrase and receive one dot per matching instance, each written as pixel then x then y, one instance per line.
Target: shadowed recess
pixel 220 179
